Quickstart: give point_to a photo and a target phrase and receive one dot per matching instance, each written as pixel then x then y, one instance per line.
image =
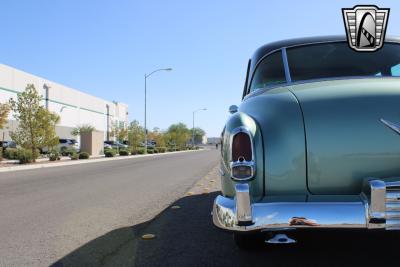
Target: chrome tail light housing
pixel 242 155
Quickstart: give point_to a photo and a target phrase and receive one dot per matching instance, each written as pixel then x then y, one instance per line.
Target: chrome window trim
pixel 286 66
pixel 251 163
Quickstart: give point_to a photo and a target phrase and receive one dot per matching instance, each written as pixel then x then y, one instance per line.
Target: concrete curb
pixel 83 161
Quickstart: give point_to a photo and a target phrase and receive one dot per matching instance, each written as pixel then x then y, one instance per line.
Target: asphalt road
pixel 49 215
pixel 99 217
pixel 186 237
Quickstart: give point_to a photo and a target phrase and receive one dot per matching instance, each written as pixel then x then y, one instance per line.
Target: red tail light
pixel 241 147
pixel 242 164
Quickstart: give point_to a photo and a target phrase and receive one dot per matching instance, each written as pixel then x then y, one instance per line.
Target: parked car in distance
pixel 126 142
pixel 315 142
pixel 8 144
pixel 150 144
pixel 115 144
pixel 63 145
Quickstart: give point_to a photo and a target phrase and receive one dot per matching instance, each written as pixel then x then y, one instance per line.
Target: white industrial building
pixel 74 107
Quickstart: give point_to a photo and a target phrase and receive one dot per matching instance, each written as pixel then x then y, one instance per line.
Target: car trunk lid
pixel 346 141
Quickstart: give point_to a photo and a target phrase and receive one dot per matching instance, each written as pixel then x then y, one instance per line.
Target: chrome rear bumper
pixel 379 207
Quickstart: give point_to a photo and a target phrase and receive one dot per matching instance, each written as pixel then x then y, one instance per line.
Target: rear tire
pixel 246 241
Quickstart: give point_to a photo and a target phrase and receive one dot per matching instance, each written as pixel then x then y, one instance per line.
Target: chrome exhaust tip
pixel 280 239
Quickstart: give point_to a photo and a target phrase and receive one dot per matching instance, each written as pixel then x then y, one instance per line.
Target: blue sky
pixel 105 47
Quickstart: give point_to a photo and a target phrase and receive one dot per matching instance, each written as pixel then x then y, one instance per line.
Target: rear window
pixel 331 60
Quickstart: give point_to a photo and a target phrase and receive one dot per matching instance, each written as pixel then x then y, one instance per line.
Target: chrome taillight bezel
pixel 239 163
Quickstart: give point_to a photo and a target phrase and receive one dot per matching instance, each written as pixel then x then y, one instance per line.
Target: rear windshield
pixel 330 60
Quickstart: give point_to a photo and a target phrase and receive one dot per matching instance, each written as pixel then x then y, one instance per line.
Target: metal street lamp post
pixel 145 104
pixel 201 109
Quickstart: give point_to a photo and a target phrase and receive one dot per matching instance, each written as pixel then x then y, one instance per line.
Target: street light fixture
pixel 145 104
pixel 200 109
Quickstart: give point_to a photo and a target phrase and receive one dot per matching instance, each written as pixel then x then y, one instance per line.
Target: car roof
pixel 270 47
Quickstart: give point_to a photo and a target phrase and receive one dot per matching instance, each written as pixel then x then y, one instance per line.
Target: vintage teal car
pixel 315 142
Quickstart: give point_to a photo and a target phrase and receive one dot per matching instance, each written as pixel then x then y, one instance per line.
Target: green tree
pixel 158 136
pixel 178 134
pixel 198 135
pixel 84 128
pixel 135 134
pixel 49 121
pixel 118 131
pixel 122 134
pixel 4 110
pixel 36 125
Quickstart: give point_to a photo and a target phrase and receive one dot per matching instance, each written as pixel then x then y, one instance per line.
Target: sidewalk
pixel 66 161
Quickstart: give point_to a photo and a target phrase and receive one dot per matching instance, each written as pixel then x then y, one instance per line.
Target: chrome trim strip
pixel 243 205
pixel 286 66
pixel 394 126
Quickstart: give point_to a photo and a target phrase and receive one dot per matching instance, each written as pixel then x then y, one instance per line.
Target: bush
pixel 134 152
pixel 67 151
pixel 54 155
pixel 74 156
pixel 111 149
pixel 197 147
pixel 83 155
pixel 171 149
pixel 140 151
pixel 161 149
pixel 155 150
pixel 150 151
pixel 24 156
pixel 10 153
pixel 123 152
pixel 109 153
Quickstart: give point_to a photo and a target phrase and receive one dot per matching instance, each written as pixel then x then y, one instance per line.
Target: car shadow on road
pixel 186 237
